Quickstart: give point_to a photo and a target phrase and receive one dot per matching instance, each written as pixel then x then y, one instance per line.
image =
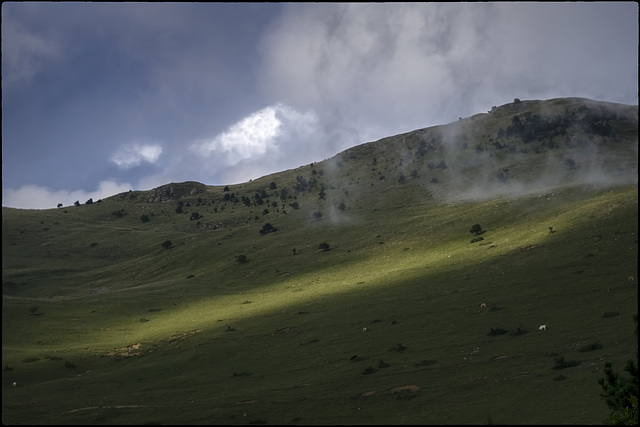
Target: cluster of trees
pixel 529 127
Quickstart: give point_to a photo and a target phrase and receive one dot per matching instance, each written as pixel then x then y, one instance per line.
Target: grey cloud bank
pixel 100 98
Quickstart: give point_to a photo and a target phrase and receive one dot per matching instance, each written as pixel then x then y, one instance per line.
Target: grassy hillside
pixel 105 322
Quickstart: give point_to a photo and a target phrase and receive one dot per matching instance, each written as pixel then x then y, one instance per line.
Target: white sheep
pixel 483 306
pixel 543 327
pixel 364 329
pixel 15 384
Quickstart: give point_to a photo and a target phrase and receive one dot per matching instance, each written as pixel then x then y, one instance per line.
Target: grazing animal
pixel 364 329
pixel 543 327
pixel 15 384
pixel 483 305
pixel 631 279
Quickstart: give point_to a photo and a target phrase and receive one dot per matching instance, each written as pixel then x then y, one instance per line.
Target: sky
pixel 103 98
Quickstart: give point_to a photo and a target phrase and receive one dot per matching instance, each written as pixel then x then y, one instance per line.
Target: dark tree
pixel 89 202
pixel 195 215
pixel 476 229
pixel 503 175
pixel 402 179
pixel 569 163
pixel 77 203
pixel 268 228
pixel 242 259
pixel 272 186
pixel 324 246
pixel 59 205
pixel 144 218
pixel 226 188
pixel 166 244
pixel 317 216
pixel 621 393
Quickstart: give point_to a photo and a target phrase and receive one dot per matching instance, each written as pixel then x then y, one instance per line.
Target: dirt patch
pixel 128 351
pixel 179 337
pixel 412 388
pixel 245 402
pixel 368 393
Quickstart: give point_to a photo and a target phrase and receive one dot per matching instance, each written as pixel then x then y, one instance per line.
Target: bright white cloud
pixel 39 197
pixel 128 156
pixel 256 136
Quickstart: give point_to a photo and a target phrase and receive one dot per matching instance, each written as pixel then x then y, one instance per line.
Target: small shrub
pixel 398 347
pixel 144 218
pixel 383 364
pixel 569 163
pixel 324 246
pixel 242 259
pixel 610 314
pixel 268 228
pixel 497 331
pixel 561 363
pixel 166 244
pixel 369 370
pixel 590 347
pixel 476 229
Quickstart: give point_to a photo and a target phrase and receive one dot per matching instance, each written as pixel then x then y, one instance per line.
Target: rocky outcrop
pixel 175 191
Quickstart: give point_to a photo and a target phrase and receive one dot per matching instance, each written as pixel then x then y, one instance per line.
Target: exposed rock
pixel 175 191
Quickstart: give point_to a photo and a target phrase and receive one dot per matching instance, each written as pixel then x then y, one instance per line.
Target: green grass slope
pixel 102 324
